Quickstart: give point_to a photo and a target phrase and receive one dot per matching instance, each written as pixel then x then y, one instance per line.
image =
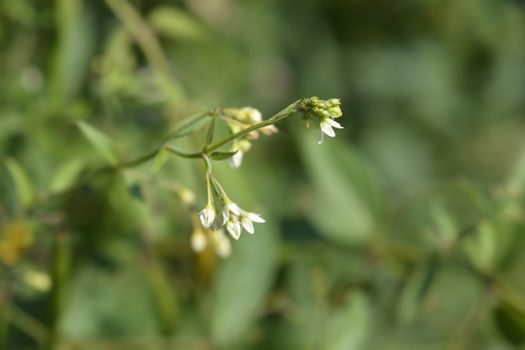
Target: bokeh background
pixel 406 231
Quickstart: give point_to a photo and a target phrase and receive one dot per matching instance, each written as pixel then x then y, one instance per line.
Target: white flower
pixel 247 220
pixel 269 130
pixel 198 241
pixel 241 146
pixel 207 216
pixel 230 209
pixel 236 160
pixel 233 226
pixel 327 125
pixel 221 242
pixel 254 115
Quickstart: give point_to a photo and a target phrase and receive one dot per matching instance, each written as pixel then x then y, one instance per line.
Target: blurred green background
pixel 404 232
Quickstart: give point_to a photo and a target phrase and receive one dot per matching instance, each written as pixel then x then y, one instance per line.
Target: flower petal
pixel 255 217
pixel 334 124
pixel 225 215
pixel 248 225
pixel 236 160
pixel 234 208
pixel 327 129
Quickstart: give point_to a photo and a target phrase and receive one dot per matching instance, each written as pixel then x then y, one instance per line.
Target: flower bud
pixel 198 240
pixel 207 216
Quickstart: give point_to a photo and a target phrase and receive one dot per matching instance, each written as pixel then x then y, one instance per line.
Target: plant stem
pixel 285 113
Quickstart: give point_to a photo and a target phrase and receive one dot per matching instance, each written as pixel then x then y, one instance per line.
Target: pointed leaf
pixel 177 24
pixel 161 158
pixel 222 155
pixel 100 141
pixel 209 137
pixel 347 327
pixel 66 175
pixel 23 185
pixel 242 284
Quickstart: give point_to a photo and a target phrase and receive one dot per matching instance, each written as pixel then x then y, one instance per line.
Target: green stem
pixel 276 118
pixel 285 113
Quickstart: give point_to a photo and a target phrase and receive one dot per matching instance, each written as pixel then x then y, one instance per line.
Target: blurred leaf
pixel 222 155
pixel 66 175
pixel 414 291
pixel 347 327
pixel 511 323
pixel 176 24
pixel 101 303
pixel 445 226
pixel 481 247
pixel 100 141
pixel 161 158
pixel 23 185
pixel 348 201
pixel 75 44
pixel 243 282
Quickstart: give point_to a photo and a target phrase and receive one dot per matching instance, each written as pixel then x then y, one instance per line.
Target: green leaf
pixel 161 158
pixel 100 141
pixel 209 136
pixel 348 203
pixel 510 320
pixel 23 185
pixel 66 175
pixel 73 50
pixel 347 327
pixel 416 288
pixel 176 24
pixel 222 155
pixel 481 248
pixel 242 284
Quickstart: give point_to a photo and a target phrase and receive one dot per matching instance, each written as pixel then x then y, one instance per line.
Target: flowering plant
pixel 245 125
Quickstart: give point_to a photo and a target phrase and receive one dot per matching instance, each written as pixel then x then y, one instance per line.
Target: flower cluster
pixel 242 118
pixel 234 219
pixel 326 111
pixel 221 214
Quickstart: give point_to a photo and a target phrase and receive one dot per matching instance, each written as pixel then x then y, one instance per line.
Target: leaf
pixel 510 320
pixel 161 158
pixel 23 185
pixel 347 327
pixel 209 136
pixel 100 141
pixel 96 299
pixel 66 175
pixel 348 203
pixel 73 50
pixel 222 155
pixel 176 24
pixel 481 248
pixel 416 288
pixel 243 282
pixel 446 228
